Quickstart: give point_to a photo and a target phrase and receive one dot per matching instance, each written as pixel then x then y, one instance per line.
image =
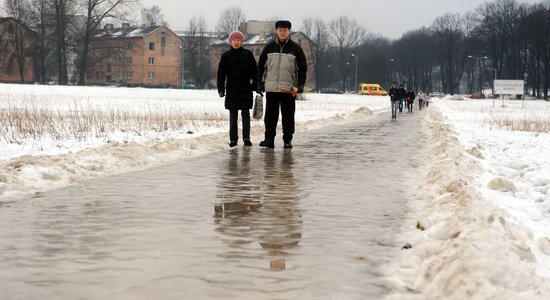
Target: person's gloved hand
pixel 260 93
pixel 261 88
pixel 300 89
pixel 222 94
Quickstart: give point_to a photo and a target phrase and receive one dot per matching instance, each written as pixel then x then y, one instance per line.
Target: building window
pixel 97 75
pixel 151 46
pixel 130 75
pixel 129 60
pixel 89 75
pixel 162 39
pixel 109 68
pixel 151 60
pixel 151 75
pixel 1 71
pixel 130 45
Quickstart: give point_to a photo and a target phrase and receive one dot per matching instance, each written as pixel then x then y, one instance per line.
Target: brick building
pixel 16 48
pixel 147 56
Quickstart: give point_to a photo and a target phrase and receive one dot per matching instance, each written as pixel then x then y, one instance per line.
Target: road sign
pixel 508 87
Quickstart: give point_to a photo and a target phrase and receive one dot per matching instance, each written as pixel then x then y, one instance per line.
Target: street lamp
pixel 391 69
pixel 356 59
pixel 478 71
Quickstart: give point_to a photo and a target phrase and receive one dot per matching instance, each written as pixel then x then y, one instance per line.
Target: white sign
pixel 508 87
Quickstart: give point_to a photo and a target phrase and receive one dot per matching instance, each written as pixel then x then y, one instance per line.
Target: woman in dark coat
pixel 237 75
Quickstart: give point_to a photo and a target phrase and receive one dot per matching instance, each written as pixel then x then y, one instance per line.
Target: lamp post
pixel 478 67
pixel 356 59
pixel 182 68
pixel 391 70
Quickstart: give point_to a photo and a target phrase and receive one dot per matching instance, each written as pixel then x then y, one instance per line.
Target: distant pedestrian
pixel 427 99
pixel 395 98
pixel 420 100
pixel 237 74
pixel 282 70
pixel 402 95
pixel 410 96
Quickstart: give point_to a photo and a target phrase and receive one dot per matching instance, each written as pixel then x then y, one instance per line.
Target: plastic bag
pixel 258 109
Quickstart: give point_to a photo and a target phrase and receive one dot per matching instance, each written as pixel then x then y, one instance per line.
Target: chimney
pixel 125 27
pixel 153 24
pixel 109 29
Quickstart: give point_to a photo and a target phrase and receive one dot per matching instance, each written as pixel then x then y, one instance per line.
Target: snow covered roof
pixel 209 34
pixel 131 32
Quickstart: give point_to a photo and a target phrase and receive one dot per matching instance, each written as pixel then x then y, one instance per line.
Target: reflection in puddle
pixel 259 199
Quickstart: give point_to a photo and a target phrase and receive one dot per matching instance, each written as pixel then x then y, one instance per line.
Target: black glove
pixel 222 94
pixel 300 89
pixel 261 88
pixel 260 93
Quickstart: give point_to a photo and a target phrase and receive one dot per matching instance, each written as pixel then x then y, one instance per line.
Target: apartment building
pixel 16 48
pixel 149 56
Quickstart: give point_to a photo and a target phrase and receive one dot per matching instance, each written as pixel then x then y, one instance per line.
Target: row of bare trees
pixel 457 53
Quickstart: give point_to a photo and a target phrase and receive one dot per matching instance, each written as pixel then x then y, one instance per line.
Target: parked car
pixel 478 96
pixel 187 85
pixel 373 89
pixel 329 90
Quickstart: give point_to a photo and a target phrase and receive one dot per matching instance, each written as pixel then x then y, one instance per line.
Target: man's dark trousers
pixel 287 103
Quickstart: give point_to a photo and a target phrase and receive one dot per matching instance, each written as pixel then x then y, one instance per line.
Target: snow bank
pixel 465 245
pixel 37 165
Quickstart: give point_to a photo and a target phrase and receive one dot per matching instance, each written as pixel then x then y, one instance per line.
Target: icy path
pixel 315 222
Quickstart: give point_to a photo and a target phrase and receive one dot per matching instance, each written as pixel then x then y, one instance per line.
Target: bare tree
pixel 348 35
pixel 375 53
pixel 449 35
pixel 536 22
pixel 197 59
pixel 40 24
pixel 19 41
pixel 62 12
pixel 153 15
pixel 317 30
pixel 413 53
pixel 230 19
pixel 96 12
pixel 499 30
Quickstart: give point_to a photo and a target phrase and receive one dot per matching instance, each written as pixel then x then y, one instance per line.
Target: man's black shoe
pixel 247 143
pixel 232 144
pixel 267 144
pixel 288 145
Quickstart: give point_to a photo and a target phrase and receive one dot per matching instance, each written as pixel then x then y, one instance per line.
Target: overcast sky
pixel 390 18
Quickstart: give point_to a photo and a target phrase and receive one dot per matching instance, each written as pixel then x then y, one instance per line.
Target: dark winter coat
pixel 394 94
pixel 402 93
pixel 282 66
pixel 237 67
pixel 410 96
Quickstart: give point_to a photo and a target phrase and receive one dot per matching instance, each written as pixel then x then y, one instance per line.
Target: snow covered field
pixel 52 136
pixel 480 226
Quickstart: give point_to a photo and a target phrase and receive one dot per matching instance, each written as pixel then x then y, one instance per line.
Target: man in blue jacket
pixel 282 70
pixel 395 98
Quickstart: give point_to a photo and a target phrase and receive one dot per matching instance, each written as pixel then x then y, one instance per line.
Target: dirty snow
pixel 480 224
pixel 33 166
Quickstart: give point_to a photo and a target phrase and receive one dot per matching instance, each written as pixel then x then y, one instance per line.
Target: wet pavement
pixel 315 222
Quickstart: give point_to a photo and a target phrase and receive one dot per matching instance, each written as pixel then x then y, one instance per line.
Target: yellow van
pixel 373 89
